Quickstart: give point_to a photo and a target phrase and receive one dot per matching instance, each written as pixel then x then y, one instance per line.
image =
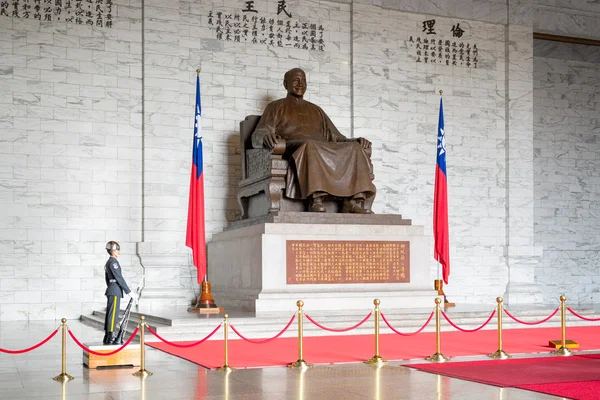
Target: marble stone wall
pixel 397 104
pixel 70 160
pixel 567 169
pixel 238 78
pixel 96 134
pixel 568 17
pixel 91 152
pixel 494 11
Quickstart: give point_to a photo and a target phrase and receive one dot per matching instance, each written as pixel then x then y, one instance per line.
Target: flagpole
pixel 438 284
pixel 205 303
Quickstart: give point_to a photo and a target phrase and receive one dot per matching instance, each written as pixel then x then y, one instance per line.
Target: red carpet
pixel 572 390
pixel 573 377
pixel 343 349
pixel 524 371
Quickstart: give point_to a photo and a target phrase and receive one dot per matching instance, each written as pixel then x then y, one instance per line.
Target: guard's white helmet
pixel 112 246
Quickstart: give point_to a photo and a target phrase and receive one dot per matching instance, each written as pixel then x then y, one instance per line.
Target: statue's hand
pixel 364 143
pixel 270 140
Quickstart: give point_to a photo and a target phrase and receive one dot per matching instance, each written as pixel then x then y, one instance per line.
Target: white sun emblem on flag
pixel 442 143
pixel 197 124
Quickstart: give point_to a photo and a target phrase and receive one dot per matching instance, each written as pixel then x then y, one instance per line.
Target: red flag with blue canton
pixel 441 248
pixel 196 235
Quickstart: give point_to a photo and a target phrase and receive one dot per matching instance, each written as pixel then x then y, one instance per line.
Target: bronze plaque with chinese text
pixel 347 261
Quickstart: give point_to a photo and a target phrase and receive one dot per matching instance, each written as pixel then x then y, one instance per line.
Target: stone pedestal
pixel 247 263
pixel 167 275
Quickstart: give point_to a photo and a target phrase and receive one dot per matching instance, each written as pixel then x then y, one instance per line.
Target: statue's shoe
pixel 317 207
pixel 354 208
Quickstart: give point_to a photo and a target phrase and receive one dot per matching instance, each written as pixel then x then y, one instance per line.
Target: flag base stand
pixel 438 285
pixel 206 303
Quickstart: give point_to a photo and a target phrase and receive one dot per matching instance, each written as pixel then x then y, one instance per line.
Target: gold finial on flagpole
pixel 441 91
pixel 198 71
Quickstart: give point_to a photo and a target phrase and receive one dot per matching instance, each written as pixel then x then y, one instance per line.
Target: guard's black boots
pixel 112 338
pixel 106 338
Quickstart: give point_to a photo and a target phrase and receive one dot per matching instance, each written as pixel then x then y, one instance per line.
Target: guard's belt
pixel 112 280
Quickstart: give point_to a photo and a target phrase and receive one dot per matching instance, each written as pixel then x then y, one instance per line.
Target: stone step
pixel 261 327
pixel 341 315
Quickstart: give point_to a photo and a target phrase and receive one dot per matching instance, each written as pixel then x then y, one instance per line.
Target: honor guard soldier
pixel 115 286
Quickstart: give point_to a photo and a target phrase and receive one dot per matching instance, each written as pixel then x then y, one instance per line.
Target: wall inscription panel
pixel 340 261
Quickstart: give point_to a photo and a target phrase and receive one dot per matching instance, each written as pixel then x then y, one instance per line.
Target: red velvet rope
pixel 581 316
pixel 469 330
pixel 531 323
pixel 185 345
pixel 339 330
pixel 407 334
pixel 30 348
pixel 103 354
pixel 264 340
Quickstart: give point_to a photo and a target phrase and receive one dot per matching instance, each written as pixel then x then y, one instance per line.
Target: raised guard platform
pixel 129 356
pixel 247 263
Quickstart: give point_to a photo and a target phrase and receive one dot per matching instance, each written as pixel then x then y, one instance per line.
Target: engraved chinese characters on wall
pixel 431 46
pixel 83 12
pixel 250 26
pixel 333 261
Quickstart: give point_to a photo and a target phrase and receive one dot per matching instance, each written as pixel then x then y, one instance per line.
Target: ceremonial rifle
pixel 125 320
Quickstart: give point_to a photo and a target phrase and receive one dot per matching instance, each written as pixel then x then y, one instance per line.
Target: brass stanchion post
pixel 376 359
pixel 64 377
pixel 499 354
pixel 143 372
pixel 562 350
pixel 300 363
pixel 225 367
pixel 437 356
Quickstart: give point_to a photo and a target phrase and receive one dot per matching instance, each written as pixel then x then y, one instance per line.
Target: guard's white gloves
pixel 135 297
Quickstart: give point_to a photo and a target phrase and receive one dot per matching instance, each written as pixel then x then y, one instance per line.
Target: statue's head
pixel 294 81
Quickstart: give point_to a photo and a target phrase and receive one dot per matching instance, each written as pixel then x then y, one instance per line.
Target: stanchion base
pixel 438 357
pixel 569 344
pixel 225 368
pixel 300 363
pixel 499 355
pixel 63 378
pixel 562 351
pixel 376 360
pixel 143 373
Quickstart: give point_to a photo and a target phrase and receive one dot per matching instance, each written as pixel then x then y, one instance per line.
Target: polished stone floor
pixel 29 376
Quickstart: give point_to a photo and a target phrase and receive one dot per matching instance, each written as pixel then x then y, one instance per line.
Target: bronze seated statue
pixel 295 159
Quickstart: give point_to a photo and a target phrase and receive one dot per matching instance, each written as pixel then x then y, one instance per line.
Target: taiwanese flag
pixel 196 236
pixel 441 250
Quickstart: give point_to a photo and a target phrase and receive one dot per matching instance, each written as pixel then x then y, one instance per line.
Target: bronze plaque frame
pixel 347 261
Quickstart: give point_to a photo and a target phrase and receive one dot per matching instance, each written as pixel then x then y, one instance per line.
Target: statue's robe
pixel 321 159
